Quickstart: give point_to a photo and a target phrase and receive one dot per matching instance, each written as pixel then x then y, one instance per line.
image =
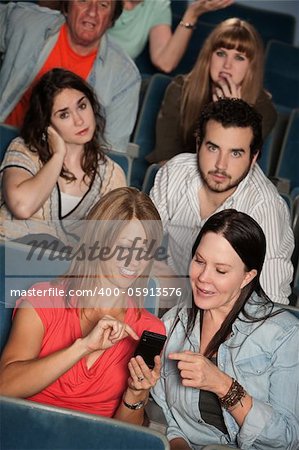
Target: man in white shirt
pixel 224 174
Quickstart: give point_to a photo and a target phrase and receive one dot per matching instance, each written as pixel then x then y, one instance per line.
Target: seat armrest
pixel 133 150
pixel 282 184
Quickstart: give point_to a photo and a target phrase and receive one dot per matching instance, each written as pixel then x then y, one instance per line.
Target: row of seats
pixel 279 158
pixel 271 26
pixel 281 79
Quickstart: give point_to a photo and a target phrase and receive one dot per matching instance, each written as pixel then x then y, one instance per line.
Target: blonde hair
pixel 230 34
pixel 104 223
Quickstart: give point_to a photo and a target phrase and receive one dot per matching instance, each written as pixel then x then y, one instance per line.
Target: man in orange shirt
pixel 35 40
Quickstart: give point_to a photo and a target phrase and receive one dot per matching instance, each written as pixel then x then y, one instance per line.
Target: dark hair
pixel 118 9
pixel 248 240
pixel 38 118
pixel 232 112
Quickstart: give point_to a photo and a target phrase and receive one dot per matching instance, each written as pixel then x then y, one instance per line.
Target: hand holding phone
pixel 150 345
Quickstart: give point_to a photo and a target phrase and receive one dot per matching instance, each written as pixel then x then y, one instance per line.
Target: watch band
pixel 134 406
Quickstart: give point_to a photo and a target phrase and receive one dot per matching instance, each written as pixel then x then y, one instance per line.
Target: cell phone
pixel 150 345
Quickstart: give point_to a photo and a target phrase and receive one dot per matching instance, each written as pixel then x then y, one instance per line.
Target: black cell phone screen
pixel 150 345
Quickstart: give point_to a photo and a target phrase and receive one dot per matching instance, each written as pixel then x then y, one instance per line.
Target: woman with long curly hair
pixel 57 169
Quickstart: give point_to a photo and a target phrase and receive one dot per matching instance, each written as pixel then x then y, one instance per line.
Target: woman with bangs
pixel 230 65
pixel 73 349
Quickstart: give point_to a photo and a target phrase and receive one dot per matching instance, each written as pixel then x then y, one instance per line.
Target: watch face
pixel 137 405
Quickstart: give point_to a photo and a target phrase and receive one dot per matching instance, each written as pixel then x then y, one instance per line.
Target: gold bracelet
pixel 188 25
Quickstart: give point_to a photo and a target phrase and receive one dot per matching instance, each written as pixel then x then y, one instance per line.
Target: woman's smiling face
pixel 217 274
pixel 128 256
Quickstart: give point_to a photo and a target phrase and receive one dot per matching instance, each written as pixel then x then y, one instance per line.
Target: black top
pixel 210 408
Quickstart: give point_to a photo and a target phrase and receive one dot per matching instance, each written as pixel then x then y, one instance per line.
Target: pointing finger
pixel 182 356
pixel 131 332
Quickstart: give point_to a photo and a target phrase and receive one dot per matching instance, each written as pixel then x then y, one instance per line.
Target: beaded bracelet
pixel 188 25
pixel 234 395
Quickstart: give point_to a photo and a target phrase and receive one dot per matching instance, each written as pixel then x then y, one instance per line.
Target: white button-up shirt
pixel 175 194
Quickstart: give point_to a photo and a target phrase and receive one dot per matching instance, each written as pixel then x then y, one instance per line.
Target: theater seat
pixel 282 73
pixel 7 134
pixel 30 426
pixel 270 24
pixel 145 131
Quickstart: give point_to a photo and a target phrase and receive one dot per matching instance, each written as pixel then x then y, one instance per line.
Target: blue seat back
pixel 178 7
pixel 149 178
pixel 124 162
pixel 270 24
pixel 20 269
pixel 31 426
pixel 295 192
pixel 288 163
pixel 282 73
pixel 145 131
pixel 144 63
pixel 7 134
pixel 272 145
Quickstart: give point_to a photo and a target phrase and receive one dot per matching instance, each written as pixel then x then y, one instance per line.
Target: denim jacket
pixel 264 358
pixel 29 33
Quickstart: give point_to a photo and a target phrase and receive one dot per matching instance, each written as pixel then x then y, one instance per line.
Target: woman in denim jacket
pixel 229 354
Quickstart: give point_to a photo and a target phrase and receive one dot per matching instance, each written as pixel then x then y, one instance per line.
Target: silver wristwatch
pixel 137 405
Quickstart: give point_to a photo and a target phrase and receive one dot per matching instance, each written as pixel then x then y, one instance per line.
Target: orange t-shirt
pixel 99 389
pixel 62 56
